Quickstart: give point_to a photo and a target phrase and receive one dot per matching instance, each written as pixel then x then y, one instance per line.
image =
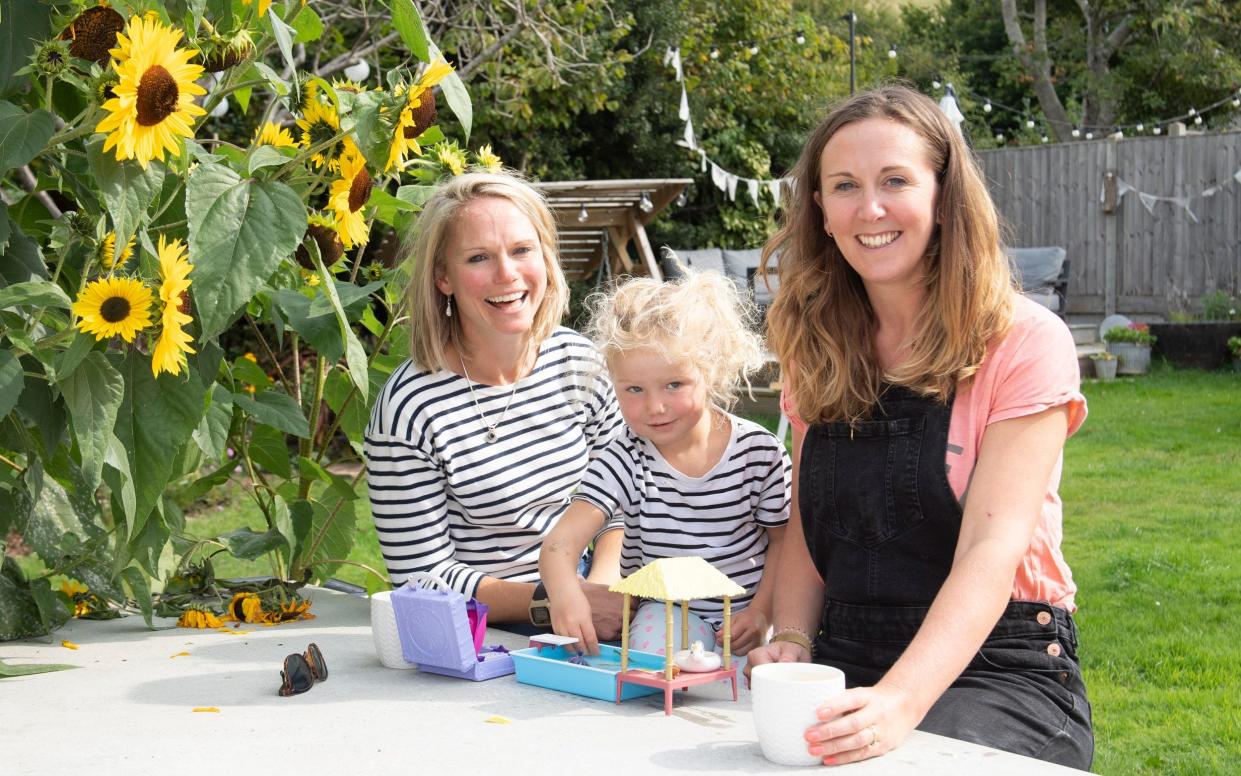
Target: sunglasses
pixel 302 671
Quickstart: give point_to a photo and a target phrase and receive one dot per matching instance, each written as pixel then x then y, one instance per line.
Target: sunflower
pixel 195 617
pixel 107 252
pixel 154 100
pixel 173 343
pixel 114 306
pixel 488 160
pixel 350 192
pixel 84 601
pixel 294 609
pixel 452 157
pixel 246 607
pixel 274 135
pixel 263 5
pixel 319 124
pixel 417 115
pixel 322 227
pixel 93 33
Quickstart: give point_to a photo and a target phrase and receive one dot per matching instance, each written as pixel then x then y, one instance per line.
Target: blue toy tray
pixel 549 667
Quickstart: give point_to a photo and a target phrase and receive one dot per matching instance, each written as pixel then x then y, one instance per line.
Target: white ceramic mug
pixel 785 696
pixel 383 630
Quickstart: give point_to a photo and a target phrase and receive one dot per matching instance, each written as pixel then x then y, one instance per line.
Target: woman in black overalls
pixel 894 290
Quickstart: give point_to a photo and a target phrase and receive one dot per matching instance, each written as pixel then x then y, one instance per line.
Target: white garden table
pixel 129 710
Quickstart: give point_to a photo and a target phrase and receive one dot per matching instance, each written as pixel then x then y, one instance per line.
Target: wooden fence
pixel 1150 224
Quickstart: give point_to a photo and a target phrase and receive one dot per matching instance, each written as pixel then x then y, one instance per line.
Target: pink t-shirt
pixel 1033 368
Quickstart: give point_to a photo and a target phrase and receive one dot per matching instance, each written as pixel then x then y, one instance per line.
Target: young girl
pixel 684 477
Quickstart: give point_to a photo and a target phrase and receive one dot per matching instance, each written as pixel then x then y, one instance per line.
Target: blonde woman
pixel 931 403
pixel 476 442
pixel 685 477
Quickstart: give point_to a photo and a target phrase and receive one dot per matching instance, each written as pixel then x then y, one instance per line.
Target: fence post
pixel 1111 225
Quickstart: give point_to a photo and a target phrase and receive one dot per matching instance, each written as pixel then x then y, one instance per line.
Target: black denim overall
pixel 882 522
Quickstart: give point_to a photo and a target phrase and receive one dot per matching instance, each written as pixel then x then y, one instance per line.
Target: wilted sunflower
pixel 246 607
pixel 154 101
pixel 94 33
pixel 174 342
pixel 488 160
pixel 199 618
pixel 350 192
pixel 114 306
pixel 417 114
pixel 294 609
pixel 107 252
pixel 321 227
pixel 274 135
pixel 84 601
pixel 320 124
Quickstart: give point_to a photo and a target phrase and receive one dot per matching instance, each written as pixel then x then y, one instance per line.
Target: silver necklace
pixel 491 427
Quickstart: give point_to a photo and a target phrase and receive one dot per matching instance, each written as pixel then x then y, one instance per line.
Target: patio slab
pixel 129 710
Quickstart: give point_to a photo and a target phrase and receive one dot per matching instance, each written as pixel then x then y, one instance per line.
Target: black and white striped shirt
pixel 446 501
pixel 720 516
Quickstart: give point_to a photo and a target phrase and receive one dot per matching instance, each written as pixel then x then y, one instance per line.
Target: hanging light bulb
pixel 645 204
pixel 682 198
pixel 1198 120
pixel 715 52
pixel 892 52
pixel 935 84
pixel 582 215
pixel 1029 123
pixel 1077 133
pixel 1157 130
pixel 1140 127
pixel 1045 138
pixel 1193 112
pixel 999 138
pixel 986 108
pixel 358 71
pixel 753 49
pixel 801 38
pixel 1090 136
pixel 1236 102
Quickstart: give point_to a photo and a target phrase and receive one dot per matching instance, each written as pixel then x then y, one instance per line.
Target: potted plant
pixel 1104 365
pixel 1234 347
pixel 1132 346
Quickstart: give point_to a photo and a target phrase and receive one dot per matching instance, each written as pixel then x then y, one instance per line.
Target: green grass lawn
pixel 1152 493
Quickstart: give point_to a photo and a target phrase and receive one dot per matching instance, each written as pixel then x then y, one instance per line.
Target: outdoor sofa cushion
pixel 1043 275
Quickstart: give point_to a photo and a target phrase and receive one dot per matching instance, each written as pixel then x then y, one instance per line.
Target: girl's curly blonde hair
pixel 700 319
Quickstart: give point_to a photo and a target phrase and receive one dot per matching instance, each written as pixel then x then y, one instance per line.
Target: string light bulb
pixel 715 52
pixel 1157 131
pixel 1193 112
pixel 935 84
pixel 1029 123
pixel 682 198
pixel 1044 138
pixel 1077 133
pixel 1236 102
pixel 986 108
pixel 892 52
pixel 753 49
pixel 999 137
pixel 1140 127
pixel 582 215
pixel 1198 120
pixel 801 38
pixel 645 204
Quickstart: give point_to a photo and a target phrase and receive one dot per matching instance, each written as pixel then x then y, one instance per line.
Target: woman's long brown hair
pixel 822 326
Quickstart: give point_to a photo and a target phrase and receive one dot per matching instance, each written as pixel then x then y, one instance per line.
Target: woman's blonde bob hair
pixel 699 319
pixel 821 323
pixel 431 329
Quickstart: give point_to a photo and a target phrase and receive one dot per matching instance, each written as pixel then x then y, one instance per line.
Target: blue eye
pixel 673 386
pixel 843 186
pixel 897 181
pixel 633 389
pixel 476 258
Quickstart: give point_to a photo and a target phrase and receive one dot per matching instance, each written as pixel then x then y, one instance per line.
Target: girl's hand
pixel 571 616
pixel 861 723
pixel 748 630
pixel 776 652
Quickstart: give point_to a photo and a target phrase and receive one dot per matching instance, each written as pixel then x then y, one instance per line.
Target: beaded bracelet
pixel 795 635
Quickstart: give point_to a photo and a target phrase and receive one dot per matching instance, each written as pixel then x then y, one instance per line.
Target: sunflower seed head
pixel 93 33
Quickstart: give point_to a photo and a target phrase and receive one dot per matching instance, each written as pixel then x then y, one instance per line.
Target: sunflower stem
pixel 284 381
pixel 321 370
pixel 362 566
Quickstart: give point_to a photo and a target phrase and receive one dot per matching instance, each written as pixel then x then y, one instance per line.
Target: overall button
pixel 1043 618
pixel 1053 649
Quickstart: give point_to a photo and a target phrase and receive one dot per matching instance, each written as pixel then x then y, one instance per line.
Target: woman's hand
pixel 776 652
pixel 748 630
pixel 861 723
pixel 571 616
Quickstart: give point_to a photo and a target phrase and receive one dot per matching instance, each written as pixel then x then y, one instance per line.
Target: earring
pixel 448 307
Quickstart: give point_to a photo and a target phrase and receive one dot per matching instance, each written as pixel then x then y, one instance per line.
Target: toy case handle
pixel 418 578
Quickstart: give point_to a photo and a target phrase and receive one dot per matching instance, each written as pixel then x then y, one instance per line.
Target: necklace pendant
pixel 491 435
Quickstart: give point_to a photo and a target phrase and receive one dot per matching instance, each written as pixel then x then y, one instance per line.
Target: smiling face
pixel 661 400
pixel 492 266
pixel 878 193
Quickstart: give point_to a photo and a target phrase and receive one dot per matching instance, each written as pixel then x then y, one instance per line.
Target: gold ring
pixel 874 736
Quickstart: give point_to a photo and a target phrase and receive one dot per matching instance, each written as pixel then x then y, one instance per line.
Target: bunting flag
pixel 1184 202
pixel 722 179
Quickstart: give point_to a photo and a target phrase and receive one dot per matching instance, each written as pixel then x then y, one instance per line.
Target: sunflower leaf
pixel 239 230
pixel 355 355
pixel 21 24
pixel 8 669
pixel 307 24
pixel 458 98
pixel 12 380
pixel 19 614
pixel 276 409
pixel 284 38
pixel 269 449
pixel 247 544
pixel 138 586
pixel 408 24
pixel 128 189
pixel 212 432
pixel 22 135
pixel 93 392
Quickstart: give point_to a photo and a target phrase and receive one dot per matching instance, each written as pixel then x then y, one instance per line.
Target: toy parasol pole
pixel 685 625
pixel 668 639
pixel 625 635
pixel 728 636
